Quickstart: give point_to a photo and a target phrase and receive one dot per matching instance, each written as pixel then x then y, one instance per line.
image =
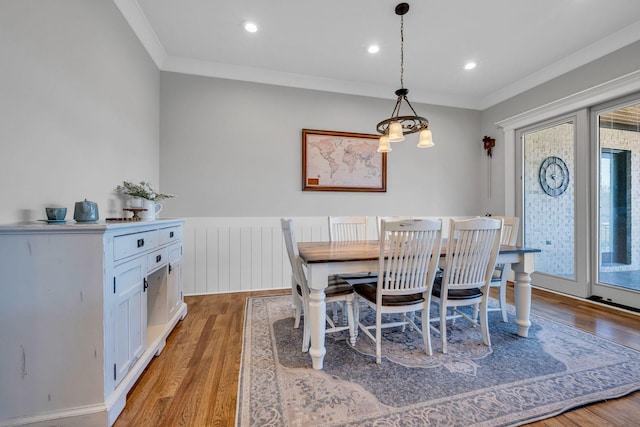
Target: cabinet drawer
pixel 156 259
pixel 170 234
pixel 131 244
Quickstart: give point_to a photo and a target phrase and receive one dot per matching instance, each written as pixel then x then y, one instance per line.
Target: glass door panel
pixel 618 139
pixel 553 167
pixel 549 221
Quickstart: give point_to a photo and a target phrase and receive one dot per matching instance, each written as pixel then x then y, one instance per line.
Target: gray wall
pixel 80 112
pixel 230 148
pixel 79 107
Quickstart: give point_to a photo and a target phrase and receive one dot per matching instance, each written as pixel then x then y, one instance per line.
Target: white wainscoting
pixel 241 254
pixel 245 253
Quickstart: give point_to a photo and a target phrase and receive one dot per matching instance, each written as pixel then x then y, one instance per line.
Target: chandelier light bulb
pixel 425 140
pixel 383 145
pixel 395 132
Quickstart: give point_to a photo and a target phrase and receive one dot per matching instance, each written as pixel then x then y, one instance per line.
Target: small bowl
pixel 56 214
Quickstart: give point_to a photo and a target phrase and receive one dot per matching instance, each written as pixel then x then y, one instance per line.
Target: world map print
pixel 339 161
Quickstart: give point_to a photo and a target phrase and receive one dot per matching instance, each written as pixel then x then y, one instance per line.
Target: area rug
pixel 516 381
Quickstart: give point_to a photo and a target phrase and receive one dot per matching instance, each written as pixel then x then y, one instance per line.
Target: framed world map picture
pixel 341 161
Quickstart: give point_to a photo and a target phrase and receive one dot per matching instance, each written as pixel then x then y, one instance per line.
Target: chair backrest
pixel 379 220
pixel 413 253
pixel 473 247
pixel 289 235
pixel 348 228
pixel 510 227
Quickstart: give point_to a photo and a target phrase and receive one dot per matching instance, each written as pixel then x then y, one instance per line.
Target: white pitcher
pixel 152 210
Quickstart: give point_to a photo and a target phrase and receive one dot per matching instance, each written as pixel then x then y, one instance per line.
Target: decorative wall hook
pixel 489 143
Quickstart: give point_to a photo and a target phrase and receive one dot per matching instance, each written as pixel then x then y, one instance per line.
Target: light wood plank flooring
pixel 194 381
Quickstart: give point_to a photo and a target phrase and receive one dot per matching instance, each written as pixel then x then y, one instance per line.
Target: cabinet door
pixel 130 315
pixel 174 278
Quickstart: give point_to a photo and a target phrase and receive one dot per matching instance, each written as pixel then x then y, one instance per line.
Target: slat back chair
pixel 510 229
pixel 348 228
pixel 473 246
pixel 379 220
pixel 405 278
pixel 338 290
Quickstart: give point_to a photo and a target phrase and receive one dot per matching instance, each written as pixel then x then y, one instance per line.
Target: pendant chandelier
pixel 396 127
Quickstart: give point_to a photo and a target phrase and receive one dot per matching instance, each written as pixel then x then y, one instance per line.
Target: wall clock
pixel 554 176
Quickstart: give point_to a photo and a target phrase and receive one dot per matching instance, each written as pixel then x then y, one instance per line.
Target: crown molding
pixel 618 40
pixel 603 92
pixel 302 81
pixel 138 22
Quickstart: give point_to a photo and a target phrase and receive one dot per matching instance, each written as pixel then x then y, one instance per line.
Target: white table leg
pixel 317 278
pixel 522 291
pixel 317 319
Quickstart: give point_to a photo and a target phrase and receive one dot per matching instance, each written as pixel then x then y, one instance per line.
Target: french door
pixel 616 207
pixel 553 202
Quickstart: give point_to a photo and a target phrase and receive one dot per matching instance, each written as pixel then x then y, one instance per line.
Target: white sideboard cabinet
pixel 84 309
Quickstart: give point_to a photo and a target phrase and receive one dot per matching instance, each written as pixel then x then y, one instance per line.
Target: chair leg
pixel 484 323
pixel 296 301
pixel 352 326
pixel 476 311
pixel 306 335
pixel 378 337
pixel 503 300
pixel 426 330
pixel 443 327
pixel 345 315
pixel 356 317
pixel 297 311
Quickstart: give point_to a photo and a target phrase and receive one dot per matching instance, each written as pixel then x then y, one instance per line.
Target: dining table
pixel 323 259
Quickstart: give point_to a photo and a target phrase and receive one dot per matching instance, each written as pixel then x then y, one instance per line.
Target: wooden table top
pixel 366 250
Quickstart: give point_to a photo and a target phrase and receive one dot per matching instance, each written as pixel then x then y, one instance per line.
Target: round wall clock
pixel 554 176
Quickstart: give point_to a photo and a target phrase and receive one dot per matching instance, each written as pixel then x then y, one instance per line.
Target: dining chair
pixel 472 249
pixel 510 227
pixel 338 290
pixel 379 220
pixel 348 228
pixel 404 281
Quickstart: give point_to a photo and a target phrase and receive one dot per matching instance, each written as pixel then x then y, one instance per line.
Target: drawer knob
pixel 158 258
pixel 171 234
pixel 140 243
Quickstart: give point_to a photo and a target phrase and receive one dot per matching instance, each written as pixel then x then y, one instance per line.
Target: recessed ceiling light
pixel 470 65
pixel 373 49
pixel 250 27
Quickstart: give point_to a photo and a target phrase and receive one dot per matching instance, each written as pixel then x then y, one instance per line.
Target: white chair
pixel 472 248
pixel 348 228
pixel 499 279
pixel 404 279
pixel 338 290
pixel 379 220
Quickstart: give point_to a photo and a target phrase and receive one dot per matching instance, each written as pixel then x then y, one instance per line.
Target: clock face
pixel 554 176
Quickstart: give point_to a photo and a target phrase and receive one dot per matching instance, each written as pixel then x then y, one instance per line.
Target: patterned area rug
pixel 516 381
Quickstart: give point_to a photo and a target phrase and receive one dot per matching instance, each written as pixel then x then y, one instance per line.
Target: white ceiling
pixel 322 44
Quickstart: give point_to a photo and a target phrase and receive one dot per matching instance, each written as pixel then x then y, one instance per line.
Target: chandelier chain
pixel 402 51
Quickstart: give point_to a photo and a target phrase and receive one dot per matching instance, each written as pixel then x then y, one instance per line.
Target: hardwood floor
pixel 194 380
